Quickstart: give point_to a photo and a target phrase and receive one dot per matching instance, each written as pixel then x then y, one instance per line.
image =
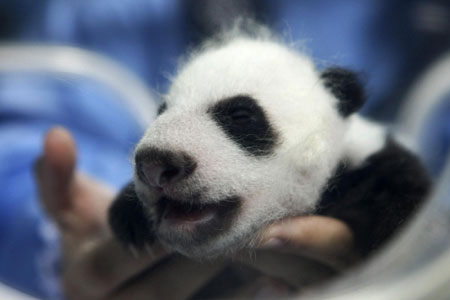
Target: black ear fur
pixel 128 220
pixel 346 87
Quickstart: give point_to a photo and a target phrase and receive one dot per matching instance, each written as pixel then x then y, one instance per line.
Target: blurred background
pixel 401 48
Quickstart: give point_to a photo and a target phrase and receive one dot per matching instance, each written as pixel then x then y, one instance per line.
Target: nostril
pixel 150 173
pixel 170 175
pixel 157 175
pixel 158 168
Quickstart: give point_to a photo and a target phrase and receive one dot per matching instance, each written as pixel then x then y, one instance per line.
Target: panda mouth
pixel 191 215
pixel 186 212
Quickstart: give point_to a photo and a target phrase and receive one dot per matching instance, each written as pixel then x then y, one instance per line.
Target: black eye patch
pixel 244 121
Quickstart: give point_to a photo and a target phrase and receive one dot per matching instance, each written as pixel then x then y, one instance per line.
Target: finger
pixel 55 172
pixel 77 202
pixel 327 239
pixel 323 234
pixel 178 278
pixel 102 267
pixel 60 154
pixel 297 271
pixel 90 201
pixel 265 287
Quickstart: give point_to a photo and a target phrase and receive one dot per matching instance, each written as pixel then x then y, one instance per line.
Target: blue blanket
pixel 105 133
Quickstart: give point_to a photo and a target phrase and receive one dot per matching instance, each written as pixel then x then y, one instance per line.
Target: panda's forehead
pixel 261 69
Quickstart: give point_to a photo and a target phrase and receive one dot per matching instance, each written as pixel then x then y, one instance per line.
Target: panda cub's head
pixel 249 133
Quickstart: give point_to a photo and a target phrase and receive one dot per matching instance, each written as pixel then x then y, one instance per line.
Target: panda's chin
pixel 187 224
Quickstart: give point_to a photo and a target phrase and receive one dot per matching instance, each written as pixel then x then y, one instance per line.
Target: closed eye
pixel 242 116
pixel 245 122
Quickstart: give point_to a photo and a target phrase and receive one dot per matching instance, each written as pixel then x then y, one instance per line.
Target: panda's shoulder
pixel 377 190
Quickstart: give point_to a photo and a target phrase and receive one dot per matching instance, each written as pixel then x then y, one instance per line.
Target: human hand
pixel 325 239
pixel 95 266
pixel 300 251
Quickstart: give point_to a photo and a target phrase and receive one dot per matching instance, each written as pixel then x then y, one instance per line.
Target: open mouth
pixel 196 217
pixel 185 212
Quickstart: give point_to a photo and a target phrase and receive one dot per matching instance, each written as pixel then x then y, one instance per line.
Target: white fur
pixel 362 140
pixel 312 136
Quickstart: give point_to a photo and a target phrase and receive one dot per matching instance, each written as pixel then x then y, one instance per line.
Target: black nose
pixel 160 168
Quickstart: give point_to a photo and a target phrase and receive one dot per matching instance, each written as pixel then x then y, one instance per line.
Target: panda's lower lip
pixel 191 215
pixel 177 214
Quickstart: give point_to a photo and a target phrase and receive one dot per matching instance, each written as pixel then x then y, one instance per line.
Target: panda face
pixel 248 134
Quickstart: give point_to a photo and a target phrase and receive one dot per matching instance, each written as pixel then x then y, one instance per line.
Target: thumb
pixel 55 172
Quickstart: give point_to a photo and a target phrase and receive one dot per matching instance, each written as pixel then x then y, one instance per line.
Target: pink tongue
pixel 178 215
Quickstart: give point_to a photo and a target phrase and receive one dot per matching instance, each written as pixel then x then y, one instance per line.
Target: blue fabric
pixel 146 36
pixel 435 137
pixel 105 133
pixel 381 39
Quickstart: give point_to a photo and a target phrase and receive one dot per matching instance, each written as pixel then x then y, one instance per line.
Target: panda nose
pixel 157 175
pixel 158 168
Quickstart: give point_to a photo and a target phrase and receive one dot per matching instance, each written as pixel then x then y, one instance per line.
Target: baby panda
pixel 251 132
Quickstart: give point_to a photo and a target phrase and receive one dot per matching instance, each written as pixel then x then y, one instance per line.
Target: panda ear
pixel 346 87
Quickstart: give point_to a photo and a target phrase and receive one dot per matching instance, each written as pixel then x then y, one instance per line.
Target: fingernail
pixel 272 243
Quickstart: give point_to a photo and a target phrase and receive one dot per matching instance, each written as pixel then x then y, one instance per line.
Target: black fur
pixel 162 108
pixel 346 87
pixel 376 198
pixel 245 122
pixel 128 219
